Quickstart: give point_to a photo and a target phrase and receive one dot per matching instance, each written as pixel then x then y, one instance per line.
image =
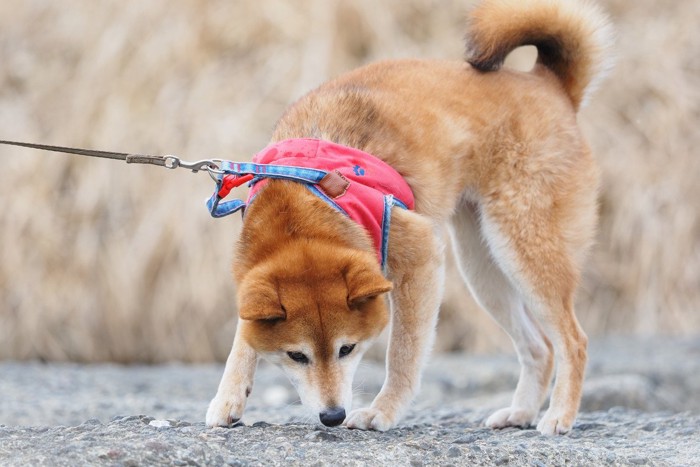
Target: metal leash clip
pixel 212 166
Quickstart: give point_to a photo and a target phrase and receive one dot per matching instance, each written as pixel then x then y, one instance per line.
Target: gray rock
pixel 640 408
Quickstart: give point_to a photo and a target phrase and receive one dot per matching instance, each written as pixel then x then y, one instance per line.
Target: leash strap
pixel 129 158
pixel 228 175
pixel 169 161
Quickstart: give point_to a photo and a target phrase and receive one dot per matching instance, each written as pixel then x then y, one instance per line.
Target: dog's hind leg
pixel 236 383
pixel 537 239
pixel 416 267
pixel 498 296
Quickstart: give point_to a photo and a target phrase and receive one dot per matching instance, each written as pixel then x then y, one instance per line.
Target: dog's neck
pixel 285 212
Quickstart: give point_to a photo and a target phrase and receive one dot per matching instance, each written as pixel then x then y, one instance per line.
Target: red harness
pixel 357 184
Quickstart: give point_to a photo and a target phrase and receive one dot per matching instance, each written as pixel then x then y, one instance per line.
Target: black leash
pixel 169 161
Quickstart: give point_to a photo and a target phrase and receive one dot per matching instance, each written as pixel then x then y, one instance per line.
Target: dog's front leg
pixel 416 268
pixel 236 383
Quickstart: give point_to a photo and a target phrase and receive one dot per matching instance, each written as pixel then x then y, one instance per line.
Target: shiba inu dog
pixel 491 155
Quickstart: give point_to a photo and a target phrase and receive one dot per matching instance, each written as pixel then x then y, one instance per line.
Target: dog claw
pixel 554 424
pixel 223 413
pixel 369 419
pixel 511 416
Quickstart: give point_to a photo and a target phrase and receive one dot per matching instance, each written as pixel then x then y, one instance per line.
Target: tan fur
pixel 497 158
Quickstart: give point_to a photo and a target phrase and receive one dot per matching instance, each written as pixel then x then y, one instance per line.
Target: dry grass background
pixel 103 261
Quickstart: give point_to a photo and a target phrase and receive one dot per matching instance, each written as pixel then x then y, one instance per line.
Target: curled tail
pixel 572 37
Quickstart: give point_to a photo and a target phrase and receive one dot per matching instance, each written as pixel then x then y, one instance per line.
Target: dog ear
pixel 364 280
pixel 258 298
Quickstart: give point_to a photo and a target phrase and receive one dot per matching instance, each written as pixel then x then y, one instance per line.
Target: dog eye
pixel 345 350
pixel 298 357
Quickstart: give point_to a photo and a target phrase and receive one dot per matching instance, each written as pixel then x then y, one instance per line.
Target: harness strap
pixel 234 174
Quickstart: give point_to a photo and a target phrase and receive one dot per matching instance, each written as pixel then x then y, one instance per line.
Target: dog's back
pixel 427 118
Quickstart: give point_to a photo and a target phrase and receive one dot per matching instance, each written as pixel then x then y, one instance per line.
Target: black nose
pixel 333 416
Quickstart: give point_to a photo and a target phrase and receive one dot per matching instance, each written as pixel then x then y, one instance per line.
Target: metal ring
pixel 171 162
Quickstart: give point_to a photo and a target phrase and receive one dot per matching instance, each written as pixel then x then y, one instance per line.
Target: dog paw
pixel 553 423
pixel 511 416
pixel 224 411
pixel 369 419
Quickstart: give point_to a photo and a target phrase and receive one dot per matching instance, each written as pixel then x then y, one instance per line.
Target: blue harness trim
pixel 308 177
pixel 281 172
pixel 389 202
pixel 326 199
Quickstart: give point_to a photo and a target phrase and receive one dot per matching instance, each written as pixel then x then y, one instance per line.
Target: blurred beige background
pixel 104 261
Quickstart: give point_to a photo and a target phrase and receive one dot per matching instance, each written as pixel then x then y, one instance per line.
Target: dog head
pixel 313 309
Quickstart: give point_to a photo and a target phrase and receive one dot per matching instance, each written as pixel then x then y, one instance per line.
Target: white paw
pixel 511 416
pixel 224 411
pixel 369 419
pixel 554 424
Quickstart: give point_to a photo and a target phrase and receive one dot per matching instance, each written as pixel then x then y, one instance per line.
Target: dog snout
pixel 333 416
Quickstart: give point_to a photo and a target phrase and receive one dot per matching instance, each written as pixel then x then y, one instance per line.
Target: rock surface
pixel 641 406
